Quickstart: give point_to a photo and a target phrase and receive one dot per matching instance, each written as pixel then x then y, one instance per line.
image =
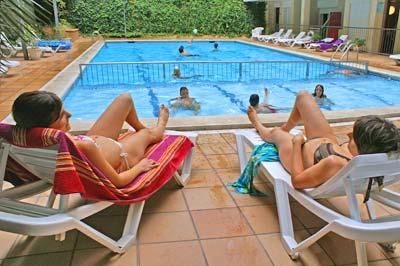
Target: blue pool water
pixel 221 89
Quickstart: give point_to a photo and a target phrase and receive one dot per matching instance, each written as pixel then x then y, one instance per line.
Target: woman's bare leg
pixel 282 139
pixel 110 122
pixel 307 110
pixel 136 144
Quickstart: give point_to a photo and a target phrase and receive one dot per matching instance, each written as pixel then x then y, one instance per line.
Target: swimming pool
pixel 219 92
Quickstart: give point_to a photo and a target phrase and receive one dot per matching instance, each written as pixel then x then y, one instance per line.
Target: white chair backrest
pixel 358 171
pixel 343 37
pixel 40 162
pixel 287 34
pixel 256 31
pixel 300 35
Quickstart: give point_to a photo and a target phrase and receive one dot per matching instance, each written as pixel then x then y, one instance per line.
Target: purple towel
pixel 326 46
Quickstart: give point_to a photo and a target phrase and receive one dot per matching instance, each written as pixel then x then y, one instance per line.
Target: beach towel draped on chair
pixel 74 173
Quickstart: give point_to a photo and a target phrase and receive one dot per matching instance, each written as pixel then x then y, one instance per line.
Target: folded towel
pixel 266 152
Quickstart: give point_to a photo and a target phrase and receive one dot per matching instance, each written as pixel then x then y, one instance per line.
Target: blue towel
pixel 266 152
pixel 65 44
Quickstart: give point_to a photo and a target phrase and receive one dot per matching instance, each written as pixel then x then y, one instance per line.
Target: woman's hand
pixel 299 139
pixel 146 164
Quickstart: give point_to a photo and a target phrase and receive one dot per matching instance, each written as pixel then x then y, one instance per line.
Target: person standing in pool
pixel 215 47
pixel 184 101
pixel 320 97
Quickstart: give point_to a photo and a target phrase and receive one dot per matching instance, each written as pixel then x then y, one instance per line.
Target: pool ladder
pixel 345 49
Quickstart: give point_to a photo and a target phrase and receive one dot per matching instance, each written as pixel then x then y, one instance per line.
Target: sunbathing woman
pixel 121 161
pixel 313 161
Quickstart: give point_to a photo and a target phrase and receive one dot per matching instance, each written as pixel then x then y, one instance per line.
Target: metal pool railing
pixel 225 71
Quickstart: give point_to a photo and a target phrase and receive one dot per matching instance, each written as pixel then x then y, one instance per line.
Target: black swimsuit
pixel 324 150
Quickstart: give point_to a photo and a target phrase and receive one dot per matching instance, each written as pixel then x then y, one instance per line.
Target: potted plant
pixel 67 30
pixel 316 37
pixel 359 43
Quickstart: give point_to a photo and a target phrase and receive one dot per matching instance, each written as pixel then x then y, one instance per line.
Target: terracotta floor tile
pixel 162 227
pixel 173 254
pixel 395 261
pixel 166 201
pixel 343 251
pixel 210 138
pixel 340 204
pixel 313 255
pixel 208 198
pixel 307 218
pixel 111 226
pixel 203 178
pixel 220 223
pixel 200 162
pixel 7 241
pixel 216 148
pixel 238 251
pixel 50 259
pixel 264 219
pixel 103 256
pixel 224 160
pixel 248 200
pixel 28 245
pixel 230 138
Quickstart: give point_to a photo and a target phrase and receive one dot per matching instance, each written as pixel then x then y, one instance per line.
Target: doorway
pixel 277 11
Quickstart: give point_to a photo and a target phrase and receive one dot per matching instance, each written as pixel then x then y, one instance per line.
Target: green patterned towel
pixel 266 152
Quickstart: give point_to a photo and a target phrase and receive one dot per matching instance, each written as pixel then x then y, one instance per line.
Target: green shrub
pixel 155 17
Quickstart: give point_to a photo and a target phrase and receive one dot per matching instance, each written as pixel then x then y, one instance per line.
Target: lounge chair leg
pixel 241 151
pixel 361 253
pixel 285 218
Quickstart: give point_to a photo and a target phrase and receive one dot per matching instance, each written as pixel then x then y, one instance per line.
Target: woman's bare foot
pixel 253 117
pixel 163 116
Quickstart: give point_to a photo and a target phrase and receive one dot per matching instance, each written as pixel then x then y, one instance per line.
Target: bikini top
pixel 324 150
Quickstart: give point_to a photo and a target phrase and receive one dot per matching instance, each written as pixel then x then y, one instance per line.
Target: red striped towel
pixel 76 174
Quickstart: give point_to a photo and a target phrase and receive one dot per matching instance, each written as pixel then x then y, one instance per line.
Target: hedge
pixel 146 17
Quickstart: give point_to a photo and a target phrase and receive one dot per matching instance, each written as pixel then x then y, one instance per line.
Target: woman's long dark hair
pixel 36 109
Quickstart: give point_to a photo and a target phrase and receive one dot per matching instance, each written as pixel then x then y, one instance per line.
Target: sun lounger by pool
pixel 395 57
pixel 350 181
pixel 268 37
pixel 289 41
pixel 287 35
pixel 256 32
pixel 39 159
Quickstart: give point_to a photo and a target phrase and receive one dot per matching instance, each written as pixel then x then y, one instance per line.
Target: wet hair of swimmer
pixel 180 49
pixel 254 100
pixel 182 89
pixel 315 91
pixel 373 134
pixel 36 109
pixel 215 45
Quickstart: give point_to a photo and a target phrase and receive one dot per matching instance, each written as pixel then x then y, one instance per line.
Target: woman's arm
pixel 318 173
pixel 119 180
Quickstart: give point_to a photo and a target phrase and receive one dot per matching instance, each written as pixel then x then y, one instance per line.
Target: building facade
pixel 376 21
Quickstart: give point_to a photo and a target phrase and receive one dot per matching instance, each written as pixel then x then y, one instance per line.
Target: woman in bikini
pixel 120 160
pixel 314 159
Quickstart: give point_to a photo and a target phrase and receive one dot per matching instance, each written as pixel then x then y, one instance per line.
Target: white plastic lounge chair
pixel 9 63
pixel 289 41
pixel 287 35
pixel 267 37
pixel 34 220
pixel 349 181
pixel 396 57
pixel 305 40
pixel 3 70
pixel 256 32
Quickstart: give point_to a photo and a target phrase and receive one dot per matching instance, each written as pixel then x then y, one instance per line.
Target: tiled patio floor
pixel 204 223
